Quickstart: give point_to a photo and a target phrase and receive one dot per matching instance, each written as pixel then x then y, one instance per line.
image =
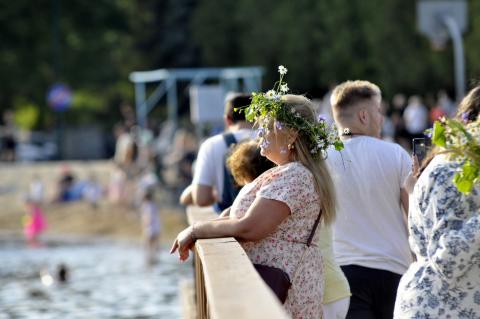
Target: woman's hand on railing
pixel 183 243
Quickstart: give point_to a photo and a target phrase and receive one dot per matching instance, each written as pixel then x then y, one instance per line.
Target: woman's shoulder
pixel 291 173
pixel 440 167
pixel 437 179
pixel 291 170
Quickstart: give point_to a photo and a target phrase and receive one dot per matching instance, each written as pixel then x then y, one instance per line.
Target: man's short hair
pixel 350 93
pixel 237 101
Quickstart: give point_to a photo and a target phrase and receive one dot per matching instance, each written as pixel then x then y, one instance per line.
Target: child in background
pixel 65 185
pixel 36 190
pixel 33 222
pixel 246 163
pixel 146 182
pixel 150 225
pixel 93 191
pixel 117 186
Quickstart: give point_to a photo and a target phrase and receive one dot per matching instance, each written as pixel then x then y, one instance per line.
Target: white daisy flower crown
pixel 267 106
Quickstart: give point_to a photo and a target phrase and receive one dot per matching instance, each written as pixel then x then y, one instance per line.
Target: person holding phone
pixel 420 150
pixel 444 227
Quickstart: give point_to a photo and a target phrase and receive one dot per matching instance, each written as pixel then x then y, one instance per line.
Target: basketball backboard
pixel 431 14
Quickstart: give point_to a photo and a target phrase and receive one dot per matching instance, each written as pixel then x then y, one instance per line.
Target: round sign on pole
pixel 59 97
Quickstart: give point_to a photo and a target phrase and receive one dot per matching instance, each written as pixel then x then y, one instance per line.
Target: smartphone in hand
pixel 420 148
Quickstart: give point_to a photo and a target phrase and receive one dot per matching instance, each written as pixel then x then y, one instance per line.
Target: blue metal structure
pixel 241 79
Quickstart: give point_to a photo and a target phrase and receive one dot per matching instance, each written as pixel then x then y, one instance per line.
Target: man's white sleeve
pixel 204 168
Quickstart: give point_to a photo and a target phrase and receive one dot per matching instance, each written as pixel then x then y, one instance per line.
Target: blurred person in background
pixel 151 226
pixel 395 113
pixel 415 117
pixel 162 146
pixel 34 223
pixel 128 115
pixel 210 176
pixel 146 182
pixel 36 189
pixel 64 191
pixel 388 128
pixel 93 191
pixel 8 138
pixel 445 103
pixel 117 185
pixel 180 157
pixel 122 146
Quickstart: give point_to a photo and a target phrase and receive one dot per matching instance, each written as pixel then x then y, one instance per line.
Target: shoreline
pixel 110 221
pixel 76 222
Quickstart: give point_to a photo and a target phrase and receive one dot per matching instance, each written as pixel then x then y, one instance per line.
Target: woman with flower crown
pixel 444 223
pixel 273 216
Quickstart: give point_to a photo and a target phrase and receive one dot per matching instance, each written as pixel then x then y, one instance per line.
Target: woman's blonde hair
pixel 469 108
pixel 317 166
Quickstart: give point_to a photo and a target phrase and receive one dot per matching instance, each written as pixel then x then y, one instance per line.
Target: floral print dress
pixel 444 227
pixel 292 184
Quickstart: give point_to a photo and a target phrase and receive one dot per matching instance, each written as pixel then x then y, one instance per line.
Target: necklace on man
pixel 347 133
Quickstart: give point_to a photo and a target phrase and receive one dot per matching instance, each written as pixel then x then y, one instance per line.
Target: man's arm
pixel 186 197
pixel 404 201
pixel 407 168
pixel 202 195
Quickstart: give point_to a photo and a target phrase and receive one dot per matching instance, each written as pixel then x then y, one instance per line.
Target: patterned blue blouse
pixel 444 227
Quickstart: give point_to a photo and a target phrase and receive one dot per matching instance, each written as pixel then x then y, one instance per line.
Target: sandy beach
pixel 78 219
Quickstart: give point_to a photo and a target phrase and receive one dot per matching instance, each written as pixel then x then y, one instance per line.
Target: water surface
pixel 106 280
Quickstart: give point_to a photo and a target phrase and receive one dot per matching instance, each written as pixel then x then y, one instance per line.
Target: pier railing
pixel 226 283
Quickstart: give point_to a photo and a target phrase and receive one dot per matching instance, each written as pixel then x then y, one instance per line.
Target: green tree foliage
pixel 93 46
pixel 84 46
pixel 324 42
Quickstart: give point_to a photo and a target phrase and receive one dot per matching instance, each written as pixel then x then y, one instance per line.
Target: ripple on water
pixel 106 281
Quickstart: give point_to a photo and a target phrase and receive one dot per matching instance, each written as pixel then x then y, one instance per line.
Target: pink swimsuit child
pixel 35 223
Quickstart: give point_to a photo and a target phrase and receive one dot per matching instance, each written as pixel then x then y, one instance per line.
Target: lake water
pixel 106 280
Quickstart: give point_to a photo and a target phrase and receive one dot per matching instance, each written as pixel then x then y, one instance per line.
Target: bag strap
pixel 309 242
pixel 229 139
pixel 314 229
pixel 229 192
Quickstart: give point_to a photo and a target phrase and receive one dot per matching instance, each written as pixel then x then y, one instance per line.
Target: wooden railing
pixel 226 283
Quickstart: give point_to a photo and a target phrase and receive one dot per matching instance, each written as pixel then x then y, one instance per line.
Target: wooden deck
pixel 226 283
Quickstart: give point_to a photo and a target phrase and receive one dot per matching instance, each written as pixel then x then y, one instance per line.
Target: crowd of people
pixel 381 250
pixel 325 192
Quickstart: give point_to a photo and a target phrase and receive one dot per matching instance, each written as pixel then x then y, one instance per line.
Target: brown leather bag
pixel 277 279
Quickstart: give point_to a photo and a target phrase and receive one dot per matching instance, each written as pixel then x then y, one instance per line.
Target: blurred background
pixel 92 49
pixel 87 126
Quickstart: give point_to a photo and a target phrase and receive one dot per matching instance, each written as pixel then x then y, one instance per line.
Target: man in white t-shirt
pixel 209 174
pixel 370 234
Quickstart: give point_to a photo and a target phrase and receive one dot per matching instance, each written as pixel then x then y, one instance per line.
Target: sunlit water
pixel 105 281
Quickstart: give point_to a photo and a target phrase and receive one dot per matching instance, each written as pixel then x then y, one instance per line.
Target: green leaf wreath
pixel 462 143
pixel 267 106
